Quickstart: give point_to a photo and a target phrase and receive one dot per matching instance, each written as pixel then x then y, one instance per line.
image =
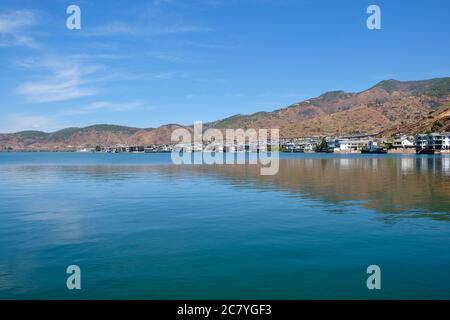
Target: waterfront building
pixel 349 145
pixel 433 141
pixel 422 141
pixel 300 144
pixel 292 147
pixel 136 149
pixel 403 141
pixel 446 141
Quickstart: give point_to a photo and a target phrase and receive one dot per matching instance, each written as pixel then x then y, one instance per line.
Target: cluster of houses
pixel 344 144
pixel 300 144
pixel 154 148
pixel 421 143
pixel 424 143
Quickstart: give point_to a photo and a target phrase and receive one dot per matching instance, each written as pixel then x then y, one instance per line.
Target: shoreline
pixel 389 152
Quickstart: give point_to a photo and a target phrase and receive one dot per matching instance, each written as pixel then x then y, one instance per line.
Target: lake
pixel 142 228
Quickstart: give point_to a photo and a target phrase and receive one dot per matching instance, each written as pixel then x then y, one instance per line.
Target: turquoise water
pixel 139 227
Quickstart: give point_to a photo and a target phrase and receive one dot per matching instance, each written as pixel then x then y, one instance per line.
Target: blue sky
pixel 145 63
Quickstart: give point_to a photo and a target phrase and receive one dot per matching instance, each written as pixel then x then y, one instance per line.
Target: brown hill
pixel 390 106
pixel 89 137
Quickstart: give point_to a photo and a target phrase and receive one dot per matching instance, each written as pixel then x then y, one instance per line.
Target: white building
pixel 403 141
pixel 446 141
pixel 352 144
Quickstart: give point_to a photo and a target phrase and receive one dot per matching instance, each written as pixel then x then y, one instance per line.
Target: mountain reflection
pixel 414 186
pixel 407 186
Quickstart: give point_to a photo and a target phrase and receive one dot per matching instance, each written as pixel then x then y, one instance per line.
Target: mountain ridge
pixel 388 107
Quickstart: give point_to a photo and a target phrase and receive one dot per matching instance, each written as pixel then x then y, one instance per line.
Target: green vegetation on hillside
pixel 333 95
pixel 67 133
pixel 226 123
pixel 111 128
pixel 63 134
pixel 30 134
pixel 439 88
pixel 389 85
pixel 437 126
pixel 434 87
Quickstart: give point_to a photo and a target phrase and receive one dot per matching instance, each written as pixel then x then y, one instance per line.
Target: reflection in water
pixel 446 165
pixel 407 165
pixel 414 186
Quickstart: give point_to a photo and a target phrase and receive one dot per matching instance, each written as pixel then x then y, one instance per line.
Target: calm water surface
pixel 142 228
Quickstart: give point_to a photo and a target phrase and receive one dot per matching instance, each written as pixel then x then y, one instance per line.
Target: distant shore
pixel 391 151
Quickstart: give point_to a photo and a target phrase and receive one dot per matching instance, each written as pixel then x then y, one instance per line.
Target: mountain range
pixel 389 107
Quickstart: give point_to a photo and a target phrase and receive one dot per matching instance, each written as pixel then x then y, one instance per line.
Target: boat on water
pixel 425 151
pixel 298 150
pixel 373 149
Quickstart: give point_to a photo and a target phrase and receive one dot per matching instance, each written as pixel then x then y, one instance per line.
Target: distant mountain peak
pixel 333 95
pixel 373 111
pixel 431 87
pixel 389 85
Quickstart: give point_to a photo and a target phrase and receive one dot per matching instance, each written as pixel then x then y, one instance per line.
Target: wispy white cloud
pixel 212 3
pixel 190 96
pixel 16 122
pixel 177 29
pixel 53 91
pixel 21 121
pixel 112 29
pixel 99 106
pixel 69 77
pixel 15 20
pixel 118 28
pixel 167 57
pixel 212 46
pixel 14 26
pixel 171 75
pixel 66 81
